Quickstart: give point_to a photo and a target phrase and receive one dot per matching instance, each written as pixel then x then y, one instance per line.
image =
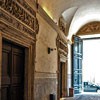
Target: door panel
pixel 5 92
pixel 77 53
pixel 62 79
pixel 5 81
pixel 17 68
pixel 12 72
pixel 6 65
pixel 17 93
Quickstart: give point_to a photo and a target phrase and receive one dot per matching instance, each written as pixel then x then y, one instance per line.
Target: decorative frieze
pixel 62 47
pixel 19 15
pixel 62 25
pixel 93 27
pixel 26 6
pixel 7 19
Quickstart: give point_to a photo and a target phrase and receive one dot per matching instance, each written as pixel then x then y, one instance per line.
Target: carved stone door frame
pixel 29 65
pixel 18 24
pixel 62 58
pixel 62 77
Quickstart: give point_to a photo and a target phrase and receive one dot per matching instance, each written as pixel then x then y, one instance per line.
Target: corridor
pixel 37 38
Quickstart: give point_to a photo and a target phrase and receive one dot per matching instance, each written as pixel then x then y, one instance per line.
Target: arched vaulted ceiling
pixel 76 13
pixel 66 18
pixel 68 14
pixel 84 15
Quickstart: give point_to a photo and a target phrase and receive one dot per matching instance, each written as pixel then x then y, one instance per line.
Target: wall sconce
pixel 50 49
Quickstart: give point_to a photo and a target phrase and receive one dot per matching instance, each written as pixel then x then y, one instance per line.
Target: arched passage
pixel 92 29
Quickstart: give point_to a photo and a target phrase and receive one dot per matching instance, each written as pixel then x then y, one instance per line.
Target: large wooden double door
pixel 77 57
pixel 12 83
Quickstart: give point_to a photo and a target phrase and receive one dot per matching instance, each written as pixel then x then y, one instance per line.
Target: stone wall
pixel 45 84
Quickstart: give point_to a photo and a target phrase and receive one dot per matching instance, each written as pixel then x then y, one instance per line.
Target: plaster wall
pixel 46 38
pixel 45 79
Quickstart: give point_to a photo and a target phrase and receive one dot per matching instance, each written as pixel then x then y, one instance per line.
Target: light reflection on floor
pixel 87 96
pixel 84 96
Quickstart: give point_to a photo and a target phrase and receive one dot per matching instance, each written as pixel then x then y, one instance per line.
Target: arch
pixel 84 15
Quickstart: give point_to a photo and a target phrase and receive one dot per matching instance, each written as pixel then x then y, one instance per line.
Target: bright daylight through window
pixel 91 65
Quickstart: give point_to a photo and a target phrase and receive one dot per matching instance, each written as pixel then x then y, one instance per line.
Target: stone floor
pixel 84 96
pixel 87 96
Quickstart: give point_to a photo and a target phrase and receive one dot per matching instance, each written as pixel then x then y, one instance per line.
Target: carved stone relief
pixel 62 48
pixel 26 6
pixel 93 27
pixel 62 25
pixel 18 14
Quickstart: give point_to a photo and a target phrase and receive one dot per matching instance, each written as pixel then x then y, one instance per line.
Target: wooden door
pixel 62 79
pixel 12 85
pixel 77 55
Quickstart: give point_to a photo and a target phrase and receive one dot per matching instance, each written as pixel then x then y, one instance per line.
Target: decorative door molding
pixel 18 24
pixel 62 49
